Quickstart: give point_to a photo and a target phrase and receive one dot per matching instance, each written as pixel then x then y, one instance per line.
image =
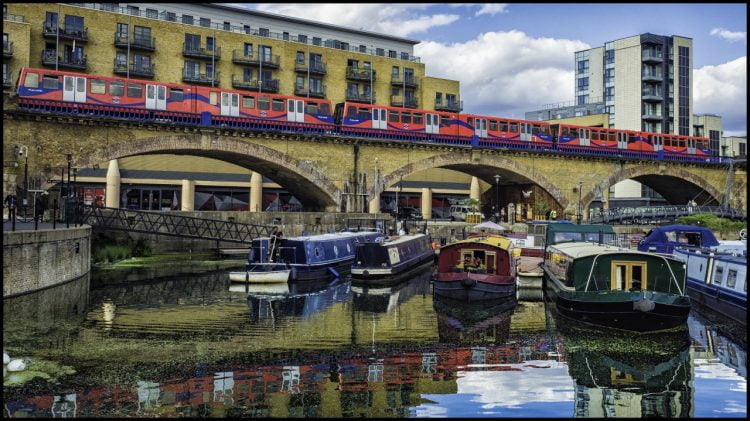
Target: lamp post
pixel 580 210
pixel 69 158
pixel 400 181
pixel 497 197
pixel 24 150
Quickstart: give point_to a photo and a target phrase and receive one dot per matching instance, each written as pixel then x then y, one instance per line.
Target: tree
pixel 541 209
pixel 473 203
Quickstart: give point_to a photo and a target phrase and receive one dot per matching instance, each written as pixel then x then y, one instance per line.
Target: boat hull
pixel 393 275
pixel 713 298
pixel 251 277
pixel 638 311
pixel 470 287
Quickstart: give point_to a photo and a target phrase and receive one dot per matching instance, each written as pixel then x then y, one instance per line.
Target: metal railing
pixel 268 85
pixel 400 101
pixel 76 33
pixel 660 213
pixel 409 81
pixel 140 70
pixel 455 106
pixel 14 18
pixel 172 224
pixel 360 97
pixel 7 80
pixel 316 67
pixel 301 90
pixel 197 77
pixel 201 52
pixel 356 73
pixel 48 59
pixel 8 49
pixel 139 43
pixel 272 61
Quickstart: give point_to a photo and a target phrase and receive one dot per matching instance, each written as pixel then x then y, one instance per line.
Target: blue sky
pixel 512 58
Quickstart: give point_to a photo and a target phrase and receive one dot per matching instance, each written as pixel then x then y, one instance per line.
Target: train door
pixel 526 132
pixel 230 104
pixel 74 89
pixel 431 123
pixel 585 137
pixel 658 143
pixel 622 140
pixel 379 120
pixel 295 110
pixel 480 127
pixel 691 145
pixel 156 97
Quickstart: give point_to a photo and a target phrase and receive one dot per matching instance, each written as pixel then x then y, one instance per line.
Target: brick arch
pixel 643 173
pixel 298 177
pixel 463 162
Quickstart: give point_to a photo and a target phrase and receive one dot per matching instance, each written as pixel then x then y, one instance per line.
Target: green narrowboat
pixel 604 284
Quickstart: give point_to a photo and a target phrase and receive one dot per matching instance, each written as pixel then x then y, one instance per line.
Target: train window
pixel 175 95
pixel 263 102
pixel 444 120
pixel 98 86
pixel 213 98
pixel 49 82
pixel 324 109
pixel 493 125
pixel 470 120
pixel 535 129
pixel 503 126
pixel 32 80
pixel 161 93
pixel 312 108
pixel 248 101
pixel 117 88
pixel 564 131
pixel 225 100
pixel 513 127
pixel 573 132
pixel 611 136
pixel 393 116
pixel 417 118
pixel 406 117
pixel 682 143
pixel 351 112
pixel 278 105
pixel 632 137
pixel 135 90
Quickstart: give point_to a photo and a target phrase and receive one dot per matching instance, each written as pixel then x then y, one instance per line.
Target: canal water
pixel 181 340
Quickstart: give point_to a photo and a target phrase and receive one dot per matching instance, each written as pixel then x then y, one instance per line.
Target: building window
pixel 316 41
pixel 248 49
pixel 404 56
pixel 391 54
pixel 121 59
pixel 192 42
pixel 684 84
pixel 122 30
pixel 142 63
pixel 227 26
pixel 316 85
pixel 170 16
pixel 209 70
pixel 438 97
pixel 205 22
pixel 50 21
pixel 142 35
pixel 192 68
pixel 247 74
pixel 187 19
pixel 152 13
pixel 285 36
pixel 246 28
pixel 362 48
pixel 73 23
pixel 583 84
pixel 134 10
pixel 302 38
pixel 300 57
pixel 380 52
pixel 264 32
pixel 394 72
pixel 210 44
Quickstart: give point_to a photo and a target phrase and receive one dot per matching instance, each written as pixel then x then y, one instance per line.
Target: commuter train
pixel 116 97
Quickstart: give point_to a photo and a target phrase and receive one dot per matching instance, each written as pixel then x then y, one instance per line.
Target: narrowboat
pixel 610 286
pixel 717 281
pixel 478 268
pixel 304 258
pixel 388 260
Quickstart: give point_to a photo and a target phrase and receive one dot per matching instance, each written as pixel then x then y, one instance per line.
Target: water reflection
pixel 200 346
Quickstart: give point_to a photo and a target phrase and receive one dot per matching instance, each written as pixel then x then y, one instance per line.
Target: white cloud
pixel 722 90
pixel 399 20
pixel 505 73
pixel 729 35
pixel 491 9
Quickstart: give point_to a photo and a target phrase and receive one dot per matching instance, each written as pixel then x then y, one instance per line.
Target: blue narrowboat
pixel 390 260
pixel 312 257
pixel 663 240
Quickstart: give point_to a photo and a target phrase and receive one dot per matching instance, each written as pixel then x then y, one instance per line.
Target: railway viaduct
pixel 323 171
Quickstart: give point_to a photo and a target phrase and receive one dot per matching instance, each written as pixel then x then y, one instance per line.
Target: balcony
pixel 652 96
pixel 201 52
pixel 121 68
pixel 270 85
pixel 7 81
pixel 360 97
pixel 139 43
pixel 301 90
pixel 268 61
pixel 408 81
pixel 7 49
pixel 354 73
pixel 400 101
pixel 315 68
pixel 652 77
pixel 652 115
pixel 648 56
pixel 451 106
pixel 65 62
pixel 200 78
pixel 74 33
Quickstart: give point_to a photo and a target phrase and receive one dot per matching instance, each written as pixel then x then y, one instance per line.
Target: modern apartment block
pixel 228 47
pixel 734 146
pixel 709 125
pixel 644 81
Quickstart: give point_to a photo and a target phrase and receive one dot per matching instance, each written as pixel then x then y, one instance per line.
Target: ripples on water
pixel 200 346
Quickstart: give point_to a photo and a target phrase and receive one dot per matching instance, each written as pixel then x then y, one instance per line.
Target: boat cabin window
pixel 477 261
pixel 731 278
pixel 719 275
pixel 628 276
pixel 689 238
pixel 565 237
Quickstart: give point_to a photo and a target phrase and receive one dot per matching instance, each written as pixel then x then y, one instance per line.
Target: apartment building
pixel 223 46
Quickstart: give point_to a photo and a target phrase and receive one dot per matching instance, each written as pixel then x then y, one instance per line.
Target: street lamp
pixel 497 196
pixel 400 186
pixel 24 151
pixel 69 158
pixel 580 209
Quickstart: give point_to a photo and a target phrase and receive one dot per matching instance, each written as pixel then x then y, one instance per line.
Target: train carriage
pixel 505 130
pixel 396 122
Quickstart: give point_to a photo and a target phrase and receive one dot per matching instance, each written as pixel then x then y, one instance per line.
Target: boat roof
pixel 402 239
pixel 552 228
pixel 489 239
pixel 585 249
pixel 658 233
pixel 334 236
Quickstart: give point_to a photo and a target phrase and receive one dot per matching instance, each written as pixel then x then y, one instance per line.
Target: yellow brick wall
pixel 18 34
pixel 169 60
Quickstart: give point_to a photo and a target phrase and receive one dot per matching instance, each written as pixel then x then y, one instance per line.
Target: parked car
pixel 409 212
pixel 458 212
